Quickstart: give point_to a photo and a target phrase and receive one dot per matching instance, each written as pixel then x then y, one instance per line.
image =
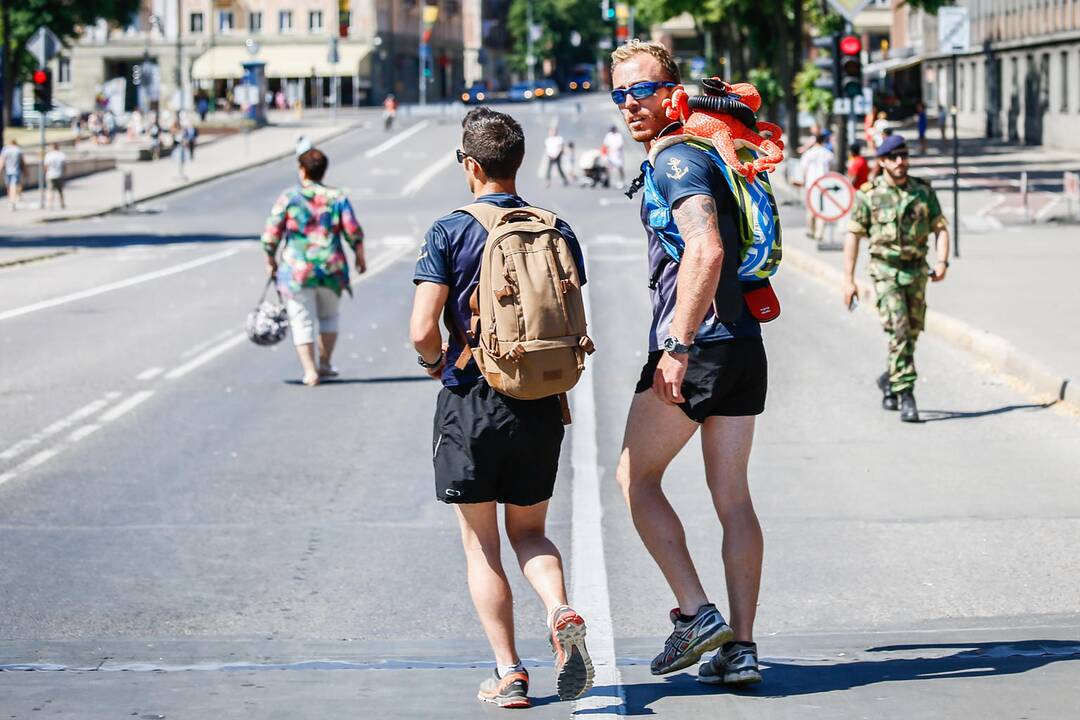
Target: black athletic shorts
pixel 489 446
pixel 727 378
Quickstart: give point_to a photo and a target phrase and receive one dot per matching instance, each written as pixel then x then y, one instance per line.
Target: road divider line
pixel 62 424
pixel 30 463
pixel 119 285
pixel 83 431
pixel 125 406
pixel 205 357
pixel 589 586
pixel 399 138
pixel 150 373
pixel 425 175
pixel 205 344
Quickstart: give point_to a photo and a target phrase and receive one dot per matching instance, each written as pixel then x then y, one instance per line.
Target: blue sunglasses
pixel 639 90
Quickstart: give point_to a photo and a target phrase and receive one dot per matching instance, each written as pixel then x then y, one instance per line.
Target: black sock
pixel 686 618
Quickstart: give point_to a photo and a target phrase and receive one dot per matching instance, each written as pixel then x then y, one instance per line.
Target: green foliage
pixel 63 17
pixel 772 92
pixel 929 6
pixel 812 99
pixel 559 19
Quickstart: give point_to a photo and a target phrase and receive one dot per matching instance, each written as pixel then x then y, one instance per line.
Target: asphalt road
pixel 174 505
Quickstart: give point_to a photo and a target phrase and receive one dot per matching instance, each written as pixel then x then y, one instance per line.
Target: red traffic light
pixel 850 45
pixel 40 77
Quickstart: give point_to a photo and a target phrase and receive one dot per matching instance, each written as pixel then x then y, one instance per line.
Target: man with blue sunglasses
pixel 705 372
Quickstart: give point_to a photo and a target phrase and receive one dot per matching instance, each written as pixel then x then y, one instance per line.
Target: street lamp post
pixel 530 58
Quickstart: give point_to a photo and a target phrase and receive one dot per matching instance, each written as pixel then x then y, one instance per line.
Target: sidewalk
pixel 103 192
pixel 1010 298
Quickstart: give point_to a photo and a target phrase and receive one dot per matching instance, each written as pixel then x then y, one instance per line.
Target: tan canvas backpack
pixel 528 325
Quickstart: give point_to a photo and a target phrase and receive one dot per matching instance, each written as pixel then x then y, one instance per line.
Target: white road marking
pixel 205 344
pixel 205 357
pixel 125 406
pixel 64 423
pixel 82 432
pixel 589 581
pixel 150 373
pixel 399 138
pixel 109 287
pixel 425 175
pixel 31 462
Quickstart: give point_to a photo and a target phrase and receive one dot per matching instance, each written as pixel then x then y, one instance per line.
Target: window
pixel 284 21
pixel 1064 81
pixel 195 22
pixel 226 21
pixel 255 22
pixel 63 70
pixel 314 21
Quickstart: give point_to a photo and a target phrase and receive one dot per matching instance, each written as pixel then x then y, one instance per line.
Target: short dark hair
pixel 495 140
pixel 856 148
pixel 314 163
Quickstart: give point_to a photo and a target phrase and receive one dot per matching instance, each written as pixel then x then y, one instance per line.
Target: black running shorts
pixel 727 378
pixel 489 446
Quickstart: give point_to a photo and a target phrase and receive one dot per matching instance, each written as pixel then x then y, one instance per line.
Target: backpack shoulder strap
pixel 491 216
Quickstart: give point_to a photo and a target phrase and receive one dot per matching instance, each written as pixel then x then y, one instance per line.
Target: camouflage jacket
pixel 898 220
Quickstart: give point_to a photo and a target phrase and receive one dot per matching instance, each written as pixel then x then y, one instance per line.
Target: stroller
pixel 593 169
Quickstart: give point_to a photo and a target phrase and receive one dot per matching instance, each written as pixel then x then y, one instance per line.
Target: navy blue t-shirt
pixel 682 171
pixel 451 256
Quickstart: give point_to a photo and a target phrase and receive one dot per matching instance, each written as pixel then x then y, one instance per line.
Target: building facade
pixel 1020 80
pixel 377 51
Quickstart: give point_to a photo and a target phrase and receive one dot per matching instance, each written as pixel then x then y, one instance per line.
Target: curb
pixel 27 259
pixel 1002 355
pixel 201 181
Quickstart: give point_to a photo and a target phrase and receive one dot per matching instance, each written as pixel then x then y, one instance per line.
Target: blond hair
pixel 648 47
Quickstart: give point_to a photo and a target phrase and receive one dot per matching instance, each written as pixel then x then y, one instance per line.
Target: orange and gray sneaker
pixel 509 691
pixel 573 666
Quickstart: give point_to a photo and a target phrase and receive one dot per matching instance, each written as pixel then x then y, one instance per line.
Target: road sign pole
pixel 43 60
pixel 955 165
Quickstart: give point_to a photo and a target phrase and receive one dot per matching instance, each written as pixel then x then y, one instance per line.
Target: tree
pixel 558 20
pixel 21 18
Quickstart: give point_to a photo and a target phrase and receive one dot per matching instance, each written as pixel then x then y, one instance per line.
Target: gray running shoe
pixel 573 666
pixel 511 691
pixel 735 664
pixel 690 640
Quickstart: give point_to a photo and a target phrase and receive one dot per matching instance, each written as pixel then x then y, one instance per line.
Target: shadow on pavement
pixel 937 415
pixel 113 241
pixel 368 381
pixel 784 679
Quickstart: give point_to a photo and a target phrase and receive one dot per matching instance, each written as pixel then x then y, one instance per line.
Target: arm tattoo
pixel 695 217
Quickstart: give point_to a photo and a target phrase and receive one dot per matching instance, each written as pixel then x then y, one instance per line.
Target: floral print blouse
pixel 313 221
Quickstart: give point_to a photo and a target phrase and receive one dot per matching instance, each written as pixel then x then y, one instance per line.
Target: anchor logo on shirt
pixel 677 173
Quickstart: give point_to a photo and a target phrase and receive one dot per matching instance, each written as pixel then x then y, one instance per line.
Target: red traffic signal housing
pixel 850 45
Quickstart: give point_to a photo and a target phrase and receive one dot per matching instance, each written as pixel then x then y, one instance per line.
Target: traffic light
pixel 607 10
pixel 851 80
pixel 42 90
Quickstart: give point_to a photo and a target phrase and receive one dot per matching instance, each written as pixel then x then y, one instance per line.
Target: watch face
pixel 669 344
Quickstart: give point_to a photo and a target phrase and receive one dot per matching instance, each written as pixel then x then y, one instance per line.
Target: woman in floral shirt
pixel 313 222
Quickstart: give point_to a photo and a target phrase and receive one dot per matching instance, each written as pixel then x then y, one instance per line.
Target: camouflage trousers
pixel 901 305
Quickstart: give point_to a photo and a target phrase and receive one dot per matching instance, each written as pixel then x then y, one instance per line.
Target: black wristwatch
pixel 673 346
pixel 430 366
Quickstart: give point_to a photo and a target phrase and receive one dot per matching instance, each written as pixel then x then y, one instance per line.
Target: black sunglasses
pixel 639 90
pixel 894 156
pixel 460 155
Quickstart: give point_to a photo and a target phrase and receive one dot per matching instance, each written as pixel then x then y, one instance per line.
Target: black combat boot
pixel 889 400
pixel 909 411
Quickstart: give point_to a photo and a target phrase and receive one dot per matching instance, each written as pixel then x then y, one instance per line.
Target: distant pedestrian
pixel 154 132
pixel 55 167
pixel 553 151
pixel 880 125
pixel 488 448
pixel 179 148
pixel 313 223
pixel 922 124
pixel 191 136
pixel 858 170
pixel 613 145
pixel 202 106
pixel 898 213
pixel 390 108
pixel 14 167
pixel 815 163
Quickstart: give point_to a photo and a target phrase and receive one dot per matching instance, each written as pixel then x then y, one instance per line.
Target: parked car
pixel 521 92
pixel 59 116
pixel 476 93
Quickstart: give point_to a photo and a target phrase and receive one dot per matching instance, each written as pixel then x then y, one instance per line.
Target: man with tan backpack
pixel 506 278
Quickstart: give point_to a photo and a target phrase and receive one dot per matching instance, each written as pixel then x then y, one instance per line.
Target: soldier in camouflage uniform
pixel 898 213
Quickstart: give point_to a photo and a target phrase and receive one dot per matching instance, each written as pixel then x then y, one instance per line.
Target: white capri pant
pixel 310 303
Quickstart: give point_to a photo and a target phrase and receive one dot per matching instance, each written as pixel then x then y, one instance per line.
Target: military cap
pixel 892 144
